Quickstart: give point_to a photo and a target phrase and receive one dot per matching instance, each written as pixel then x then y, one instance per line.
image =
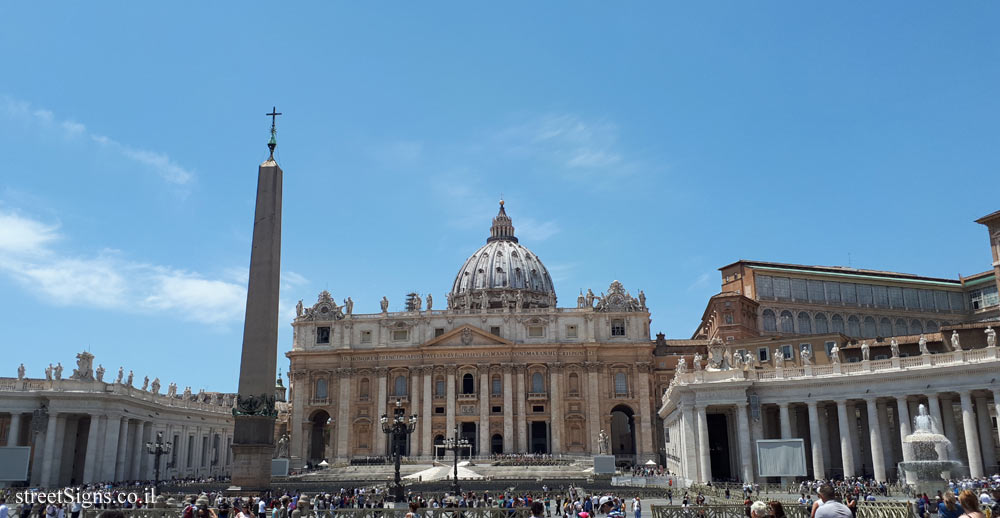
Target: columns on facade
pixel 745 444
pixel 594 404
pixel 343 413
pixel 996 406
pixel 450 427
pixel 484 409
pixel 13 435
pixel 815 441
pixel 298 446
pixel 508 407
pixel 971 436
pixel 885 432
pixel 646 407
pixel 416 440
pixel 704 454
pixel 875 437
pixel 90 462
pixel 522 416
pixel 692 457
pixel 903 416
pixel 985 434
pixel 121 460
pixel 950 430
pixel 426 432
pixel 378 437
pixel 846 444
pixel 785 421
pixel 51 455
pixel 555 407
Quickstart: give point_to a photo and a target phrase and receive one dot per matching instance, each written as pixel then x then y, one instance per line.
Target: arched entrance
pixel 496 444
pixel 438 441
pixel 319 437
pixel 467 431
pixel 623 434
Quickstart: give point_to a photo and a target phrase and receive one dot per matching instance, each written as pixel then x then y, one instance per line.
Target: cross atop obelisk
pixel 273 142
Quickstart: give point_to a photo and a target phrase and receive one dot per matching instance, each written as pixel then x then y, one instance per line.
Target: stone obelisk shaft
pixel 253 437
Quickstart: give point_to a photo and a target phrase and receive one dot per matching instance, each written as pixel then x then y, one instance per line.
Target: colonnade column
pixel 743 432
pixel 985 434
pixel 90 461
pixel 903 416
pixel 704 454
pixel 785 421
pixel 484 410
pixel 121 460
pixel 343 413
pixel 508 408
pixel 996 406
pixel 13 435
pixel 971 436
pixel 522 416
pixel 555 406
pixel 815 441
pixel 426 433
pixel 52 452
pixel 875 436
pixel 846 446
pixel 450 426
pixel 950 430
pixel 136 457
pixel 378 437
pixel 415 388
pixel 645 409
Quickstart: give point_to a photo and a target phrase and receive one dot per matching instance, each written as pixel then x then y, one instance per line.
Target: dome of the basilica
pixel 502 274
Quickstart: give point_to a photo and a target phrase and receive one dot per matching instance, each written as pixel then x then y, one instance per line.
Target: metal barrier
pixel 792 510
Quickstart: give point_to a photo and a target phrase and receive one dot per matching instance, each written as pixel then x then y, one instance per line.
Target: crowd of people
pixel 526 459
pixel 649 471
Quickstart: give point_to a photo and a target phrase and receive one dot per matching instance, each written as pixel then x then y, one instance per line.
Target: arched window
pixel 321 391
pixel 932 326
pixel 787 322
pixel 900 327
pixel 821 324
pixel 869 330
pixel 363 389
pixel 468 383
pixel 439 386
pixel 621 384
pixel 916 327
pixel 805 323
pixel 574 383
pixel 853 326
pixel 399 386
pixel 837 324
pixel 537 383
pixel 497 386
pixel 769 321
pixel 885 327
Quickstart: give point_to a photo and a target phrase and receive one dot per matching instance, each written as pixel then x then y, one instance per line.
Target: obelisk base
pixel 253 449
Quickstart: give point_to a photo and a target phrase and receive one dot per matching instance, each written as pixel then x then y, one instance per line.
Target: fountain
pixel 929 467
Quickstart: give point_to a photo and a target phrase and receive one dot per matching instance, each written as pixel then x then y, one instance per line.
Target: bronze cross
pixel 274 114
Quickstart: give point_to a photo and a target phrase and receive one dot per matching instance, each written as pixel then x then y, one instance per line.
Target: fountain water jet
pixel 929 467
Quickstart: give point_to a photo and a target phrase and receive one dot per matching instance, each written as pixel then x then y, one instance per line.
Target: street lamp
pixel 398 426
pixel 454 444
pixel 158 449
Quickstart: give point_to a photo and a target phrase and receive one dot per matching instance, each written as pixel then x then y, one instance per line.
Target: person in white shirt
pixel 637 507
pixel 261 508
pixel 4 512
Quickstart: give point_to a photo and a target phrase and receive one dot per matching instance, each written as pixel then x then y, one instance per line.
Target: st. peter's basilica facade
pixel 501 364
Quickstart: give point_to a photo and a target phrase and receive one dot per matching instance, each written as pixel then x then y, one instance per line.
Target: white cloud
pixel 107 280
pixel 160 163
pixel 567 141
pixel 535 231
pixel 700 282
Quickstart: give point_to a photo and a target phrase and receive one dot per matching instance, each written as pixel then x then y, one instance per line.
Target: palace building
pixel 501 363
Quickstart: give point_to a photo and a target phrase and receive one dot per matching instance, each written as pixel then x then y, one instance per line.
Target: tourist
pixel 949 508
pixel 830 508
pixel 759 510
pixel 4 512
pixel 970 503
pixel 537 509
pixel 637 507
pixel 777 510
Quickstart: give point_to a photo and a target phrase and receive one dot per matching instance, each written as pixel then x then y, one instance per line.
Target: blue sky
pixel 649 142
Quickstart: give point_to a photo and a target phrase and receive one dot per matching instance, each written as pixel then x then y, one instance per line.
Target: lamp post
pixel 158 449
pixel 454 444
pixel 398 426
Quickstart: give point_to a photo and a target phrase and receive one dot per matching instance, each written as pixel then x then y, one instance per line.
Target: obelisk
pixel 253 437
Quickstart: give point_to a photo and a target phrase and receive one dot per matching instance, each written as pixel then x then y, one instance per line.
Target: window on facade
pixel 984 298
pixel 399 386
pixel 439 386
pixel 805 323
pixel 787 324
pixel 366 337
pixel 364 388
pixel 538 383
pixel 762 354
pixel 822 327
pixel 941 300
pixel 881 296
pixel 617 327
pixel 496 409
pixel 321 391
pixel 799 289
pixel 536 331
pixel 911 298
pixel 439 410
pixel 571 331
pixel 438 331
pixel 621 384
pixel 322 335
pixel 865 295
pixel 832 290
pixel 853 326
pixel 885 327
pixel 496 386
pixel 728 318
pixel 764 288
pixel 829 347
pixel 787 351
pixel 916 327
pixel 815 289
pixel 957 301
pixel 899 329
pixel 848 293
pixel 869 329
pixel 769 321
pixel 574 383
pixel 782 288
pixel 837 324
pixel 400 335
pixel 896 297
pixel 468 384
pixel 932 326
